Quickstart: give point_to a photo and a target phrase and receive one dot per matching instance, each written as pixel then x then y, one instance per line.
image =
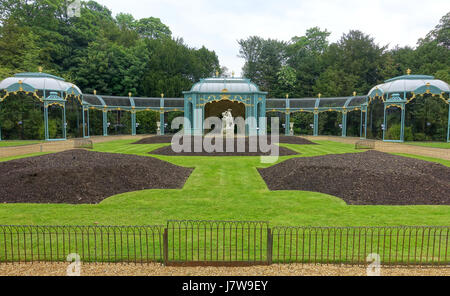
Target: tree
pixel 152 28
pixel 263 61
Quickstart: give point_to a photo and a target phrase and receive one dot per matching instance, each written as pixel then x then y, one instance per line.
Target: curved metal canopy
pixel 33 82
pixel 417 84
pixel 220 85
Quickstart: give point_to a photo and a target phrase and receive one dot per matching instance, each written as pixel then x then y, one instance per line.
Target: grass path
pixel 224 188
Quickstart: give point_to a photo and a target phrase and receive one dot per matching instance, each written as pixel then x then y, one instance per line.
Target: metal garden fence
pixel 225 243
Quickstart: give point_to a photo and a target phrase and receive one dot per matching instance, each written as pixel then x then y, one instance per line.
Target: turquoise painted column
pixel 105 123
pixel 161 115
pixel 384 123
pixel 46 122
pixel 344 123
pixel 361 125
pixel 316 123
pixel 263 124
pixel 287 128
pixel 448 129
pixel 197 117
pixel 84 124
pixel 365 123
pixel 402 131
pixel 133 123
pixel 64 123
pixel 162 121
pixel 88 124
pixel 0 128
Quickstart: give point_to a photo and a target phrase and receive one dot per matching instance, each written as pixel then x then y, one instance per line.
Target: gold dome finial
pixel 408 71
pixel 129 94
pixel 217 73
pixel 287 96
pixel 162 96
pixel 40 69
pixel 354 93
pixel 95 92
pixel 320 95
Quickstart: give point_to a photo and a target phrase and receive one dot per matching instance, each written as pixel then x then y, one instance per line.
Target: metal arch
pixel 133 106
pixel 20 87
pixel 102 101
pixel 348 102
pixel 317 103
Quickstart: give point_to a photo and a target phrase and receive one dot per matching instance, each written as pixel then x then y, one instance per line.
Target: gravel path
pixel 84 177
pixel 369 178
pixel 59 269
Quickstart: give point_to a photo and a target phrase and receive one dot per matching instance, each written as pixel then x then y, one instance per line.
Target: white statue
pixel 228 122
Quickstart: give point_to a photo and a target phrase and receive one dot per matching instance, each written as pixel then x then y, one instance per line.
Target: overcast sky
pixel 219 24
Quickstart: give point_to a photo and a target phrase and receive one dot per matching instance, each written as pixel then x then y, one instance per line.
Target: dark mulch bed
pixel 84 177
pixel 170 152
pixel 168 140
pixel 370 178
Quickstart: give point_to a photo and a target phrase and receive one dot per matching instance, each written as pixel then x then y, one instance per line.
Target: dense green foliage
pixel 308 65
pixel 96 51
pixel 114 55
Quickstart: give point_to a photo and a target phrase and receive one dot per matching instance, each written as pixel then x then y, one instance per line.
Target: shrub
pixel 393 133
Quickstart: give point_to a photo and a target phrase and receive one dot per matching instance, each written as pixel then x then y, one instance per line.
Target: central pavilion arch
pixel 221 93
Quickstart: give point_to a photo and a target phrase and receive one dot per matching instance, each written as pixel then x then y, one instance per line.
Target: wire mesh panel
pixel 275 103
pixel 303 103
pixel 217 242
pixel 74 118
pixel 22 118
pixel 117 101
pixel 93 244
pixel 357 102
pixel 395 246
pixel 147 102
pixel 174 103
pixel 333 102
pixel 92 100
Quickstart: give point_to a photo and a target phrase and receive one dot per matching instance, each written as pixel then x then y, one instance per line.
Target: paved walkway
pixel 392 147
pixel 58 146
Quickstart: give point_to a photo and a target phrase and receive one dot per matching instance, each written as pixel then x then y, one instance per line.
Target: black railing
pixel 225 243
pixel 352 245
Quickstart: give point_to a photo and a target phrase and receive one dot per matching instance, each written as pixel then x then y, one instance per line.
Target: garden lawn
pixel 224 188
pixel 442 145
pixel 18 143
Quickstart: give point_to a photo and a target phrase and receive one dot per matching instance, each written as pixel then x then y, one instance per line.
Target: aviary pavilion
pixel 71 110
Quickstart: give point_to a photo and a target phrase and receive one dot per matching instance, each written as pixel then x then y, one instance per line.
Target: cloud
pixel 219 24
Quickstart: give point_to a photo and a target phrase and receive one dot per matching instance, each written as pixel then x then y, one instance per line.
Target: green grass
pixel 426 158
pixel 224 188
pixel 442 145
pixel 18 143
pixel 23 156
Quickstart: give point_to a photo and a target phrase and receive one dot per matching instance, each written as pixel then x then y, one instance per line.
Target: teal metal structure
pixel 395 93
pixel 398 92
pixel 48 89
pixel 238 90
